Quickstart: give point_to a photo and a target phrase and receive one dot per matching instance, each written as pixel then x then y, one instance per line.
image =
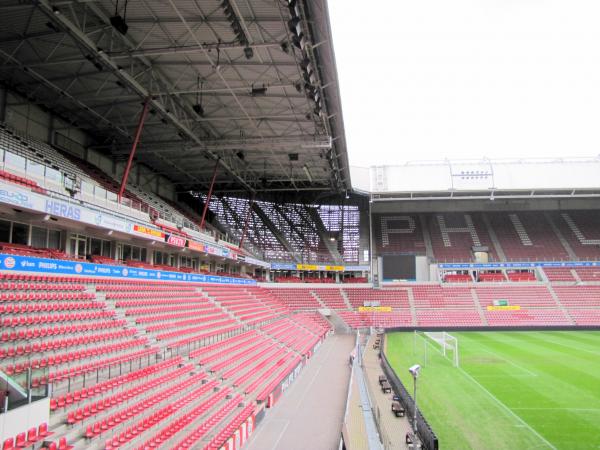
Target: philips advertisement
pixel 517 265
pixel 48 266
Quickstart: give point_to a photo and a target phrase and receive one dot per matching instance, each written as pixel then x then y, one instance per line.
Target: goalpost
pixel 443 342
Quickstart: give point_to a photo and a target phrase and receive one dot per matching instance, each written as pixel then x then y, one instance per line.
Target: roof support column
pixel 136 140
pixel 210 191
pixel 246 221
pixel 3 95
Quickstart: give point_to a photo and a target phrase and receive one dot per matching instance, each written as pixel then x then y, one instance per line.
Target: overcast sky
pixel 435 79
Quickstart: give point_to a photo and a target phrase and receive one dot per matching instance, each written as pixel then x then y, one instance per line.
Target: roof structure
pixel 250 85
pixel 526 178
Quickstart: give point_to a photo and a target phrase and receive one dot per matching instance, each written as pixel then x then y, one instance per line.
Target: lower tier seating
pixel 147 365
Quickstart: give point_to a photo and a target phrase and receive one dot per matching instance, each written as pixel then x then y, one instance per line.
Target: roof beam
pixel 79 37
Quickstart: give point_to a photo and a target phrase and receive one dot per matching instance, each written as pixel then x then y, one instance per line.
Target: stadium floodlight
pixel 414 370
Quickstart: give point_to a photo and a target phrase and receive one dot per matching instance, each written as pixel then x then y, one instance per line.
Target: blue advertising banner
pixel 49 266
pixel 283 266
pixel 521 265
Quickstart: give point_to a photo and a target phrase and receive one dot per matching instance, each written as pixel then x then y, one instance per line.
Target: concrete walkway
pixel 310 413
pixel 392 429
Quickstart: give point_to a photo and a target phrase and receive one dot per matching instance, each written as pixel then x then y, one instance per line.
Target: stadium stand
pixel 100 344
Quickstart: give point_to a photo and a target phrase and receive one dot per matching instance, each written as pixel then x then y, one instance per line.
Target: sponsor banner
pixel 312 267
pixel 257 262
pixel 281 266
pixel 63 267
pixel 374 309
pixel 60 208
pixel 177 241
pixel 148 232
pixel 18 197
pixel 365 268
pixel 112 223
pixel 285 384
pixel 517 265
pixel 192 245
pixel 503 308
pixel 213 250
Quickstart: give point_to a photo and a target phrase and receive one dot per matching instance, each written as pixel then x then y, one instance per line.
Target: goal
pixel 444 342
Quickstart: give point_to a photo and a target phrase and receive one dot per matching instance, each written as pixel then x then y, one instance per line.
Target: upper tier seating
pixel 453 235
pixel 581 229
pixel 559 274
pixel 588 273
pixel 47 167
pixel 457 278
pixel 521 276
pixel 527 236
pixel 398 233
pixel 491 277
pixel 522 235
pixel 12 178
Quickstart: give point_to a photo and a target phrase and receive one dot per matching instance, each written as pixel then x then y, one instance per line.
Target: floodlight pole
pixel 136 140
pixel 209 195
pixel 415 411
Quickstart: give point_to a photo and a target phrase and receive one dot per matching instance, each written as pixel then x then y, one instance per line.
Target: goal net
pixel 444 342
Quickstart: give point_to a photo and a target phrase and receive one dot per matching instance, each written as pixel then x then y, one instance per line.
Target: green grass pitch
pixel 513 390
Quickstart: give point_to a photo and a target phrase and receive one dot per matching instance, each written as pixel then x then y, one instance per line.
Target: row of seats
pixel 59 344
pixel 12 286
pixel 28 439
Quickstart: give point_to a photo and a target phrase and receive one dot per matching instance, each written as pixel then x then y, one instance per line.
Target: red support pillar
pixel 136 140
pixel 248 212
pixel 210 191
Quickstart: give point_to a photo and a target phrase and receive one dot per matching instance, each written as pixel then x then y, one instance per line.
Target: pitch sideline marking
pixel 561 409
pixel 510 411
pixel 573 347
pixel 493 397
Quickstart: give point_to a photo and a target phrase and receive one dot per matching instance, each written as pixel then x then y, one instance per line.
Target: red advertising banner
pixel 177 241
pixel 148 231
pixel 196 246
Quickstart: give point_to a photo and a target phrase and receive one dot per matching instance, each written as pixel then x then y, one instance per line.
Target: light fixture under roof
pixel 198 109
pixel 120 23
pixel 258 91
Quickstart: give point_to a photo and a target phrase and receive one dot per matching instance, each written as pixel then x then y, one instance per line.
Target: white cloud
pixel 436 79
